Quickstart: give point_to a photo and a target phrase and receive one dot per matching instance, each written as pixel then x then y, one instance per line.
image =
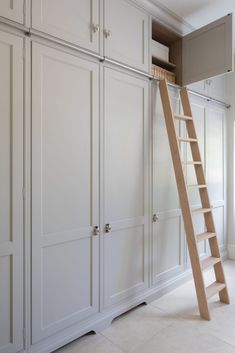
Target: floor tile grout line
pixel 222 340
pixel 143 342
pixel 113 343
pixel 152 336
pixel 149 339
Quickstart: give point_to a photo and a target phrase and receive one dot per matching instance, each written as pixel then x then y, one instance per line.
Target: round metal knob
pixel 107 33
pixel 107 228
pixel 155 218
pixel 96 230
pixel 95 27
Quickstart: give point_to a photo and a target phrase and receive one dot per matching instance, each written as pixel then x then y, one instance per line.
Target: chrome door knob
pixel 95 28
pixel 96 230
pixel 155 218
pixel 107 228
pixel 107 33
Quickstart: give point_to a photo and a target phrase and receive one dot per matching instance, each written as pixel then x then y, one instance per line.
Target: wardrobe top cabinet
pixel 12 10
pixel 122 35
pixel 74 21
pixel 126 34
pixel 204 53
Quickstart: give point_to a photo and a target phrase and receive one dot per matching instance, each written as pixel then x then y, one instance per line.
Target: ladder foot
pixel 224 297
pixel 205 314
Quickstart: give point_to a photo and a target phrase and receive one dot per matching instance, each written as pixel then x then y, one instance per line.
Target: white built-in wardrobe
pixel 90 222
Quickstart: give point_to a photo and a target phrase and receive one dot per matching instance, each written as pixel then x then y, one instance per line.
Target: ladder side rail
pixel 204 195
pixel 186 211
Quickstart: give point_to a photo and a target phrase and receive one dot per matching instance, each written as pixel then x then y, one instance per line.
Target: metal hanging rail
pixel 200 95
pixel 209 99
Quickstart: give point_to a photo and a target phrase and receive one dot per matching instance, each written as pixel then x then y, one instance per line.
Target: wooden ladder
pixel 198 265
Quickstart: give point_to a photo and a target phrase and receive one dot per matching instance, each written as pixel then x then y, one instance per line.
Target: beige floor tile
pixel 180 301
pixel 136 327
pixel 169 325
pixel 222 324
pixel 90 344
pixel 182 338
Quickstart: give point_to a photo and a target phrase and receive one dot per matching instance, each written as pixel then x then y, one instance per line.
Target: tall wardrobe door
pixel 125 186
pixel 167 231
pixel 65 179
pixel 13 10
pixel 11 187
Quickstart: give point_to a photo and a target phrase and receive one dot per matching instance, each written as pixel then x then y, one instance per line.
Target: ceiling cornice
pixel 166 16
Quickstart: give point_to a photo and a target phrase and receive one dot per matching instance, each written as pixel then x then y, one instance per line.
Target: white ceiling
pixel 198 13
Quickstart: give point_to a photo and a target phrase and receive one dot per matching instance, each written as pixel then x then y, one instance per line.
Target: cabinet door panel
pixel 218 213
pixel 168 230
pixel 208 51
pixel 11 186
pixel 12 10
pixel 215 167
pixel 70 20
pixel 124 263
pixel 128 42
pixel 167 247
pixel 125 186
pixel 199 113
pixel 64 190
pixel 215 153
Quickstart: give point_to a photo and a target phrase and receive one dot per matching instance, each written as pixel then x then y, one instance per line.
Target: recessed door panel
pixel 199 114
pixel 60 286
pixel 125 247
pixel 167 247
pixel 199 227
pixel 124 263
pixel 11 200
pixel 215 154
pixel 75 21
pixel 218 214
pixel 208 51
pixel 65 127
pixel 12 10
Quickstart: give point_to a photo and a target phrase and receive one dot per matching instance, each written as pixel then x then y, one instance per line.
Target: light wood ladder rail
pixel 198 265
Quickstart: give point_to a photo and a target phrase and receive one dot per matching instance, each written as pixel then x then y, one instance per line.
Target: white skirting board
pixel 231 251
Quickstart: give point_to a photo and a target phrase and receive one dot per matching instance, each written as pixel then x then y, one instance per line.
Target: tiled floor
pixel 168 325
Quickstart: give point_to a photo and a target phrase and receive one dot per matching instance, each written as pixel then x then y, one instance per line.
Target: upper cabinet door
pixel 75 21
pixel 12 10
pixel 126 34
pixel 208 51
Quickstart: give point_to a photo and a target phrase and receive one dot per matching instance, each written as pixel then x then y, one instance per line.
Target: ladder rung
pixel 201 210
pixel 197 186
pixel 205 236
pixel 183 117
pixel 192 163
pixel 209 261
pixel 214 288
pixel 186 139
